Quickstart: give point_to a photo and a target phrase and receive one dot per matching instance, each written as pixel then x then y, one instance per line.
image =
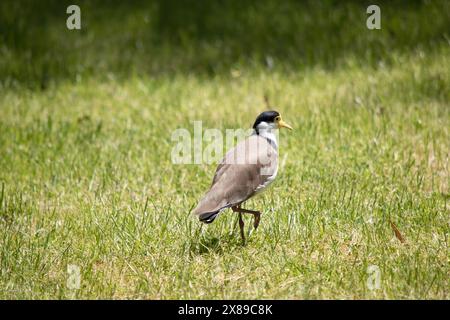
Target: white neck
pixel 269 134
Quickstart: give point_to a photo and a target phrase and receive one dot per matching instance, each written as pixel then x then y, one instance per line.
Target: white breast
pixel 270 136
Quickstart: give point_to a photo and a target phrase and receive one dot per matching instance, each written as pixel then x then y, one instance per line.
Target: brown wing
pixel 245 168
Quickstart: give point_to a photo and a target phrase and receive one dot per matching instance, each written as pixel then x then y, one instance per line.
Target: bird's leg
pixel 256 214
pixel 241 225
pixel 241 222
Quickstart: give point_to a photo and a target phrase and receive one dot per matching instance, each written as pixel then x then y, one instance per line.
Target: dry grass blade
pixel 398 235
pixel 266 101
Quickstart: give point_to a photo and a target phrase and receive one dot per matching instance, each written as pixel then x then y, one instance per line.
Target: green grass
pixel 86 176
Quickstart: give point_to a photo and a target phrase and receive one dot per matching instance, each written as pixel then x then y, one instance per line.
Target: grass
pixel 86 177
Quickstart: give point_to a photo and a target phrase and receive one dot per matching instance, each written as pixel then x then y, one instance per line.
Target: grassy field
pixel 86 177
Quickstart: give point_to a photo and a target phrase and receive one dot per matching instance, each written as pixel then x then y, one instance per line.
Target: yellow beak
pixel 282 124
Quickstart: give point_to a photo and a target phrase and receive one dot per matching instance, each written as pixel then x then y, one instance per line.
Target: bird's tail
pixel 208 217
pixel 210 206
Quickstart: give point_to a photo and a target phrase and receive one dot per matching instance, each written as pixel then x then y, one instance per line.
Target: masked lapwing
pixel 246 170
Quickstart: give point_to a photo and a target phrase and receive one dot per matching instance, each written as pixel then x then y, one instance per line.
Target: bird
pixel 245 171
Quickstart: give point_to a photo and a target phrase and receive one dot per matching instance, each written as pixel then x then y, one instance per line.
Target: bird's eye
pixel 278 118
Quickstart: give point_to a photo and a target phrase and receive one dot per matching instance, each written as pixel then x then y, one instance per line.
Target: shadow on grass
pixel 206 244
